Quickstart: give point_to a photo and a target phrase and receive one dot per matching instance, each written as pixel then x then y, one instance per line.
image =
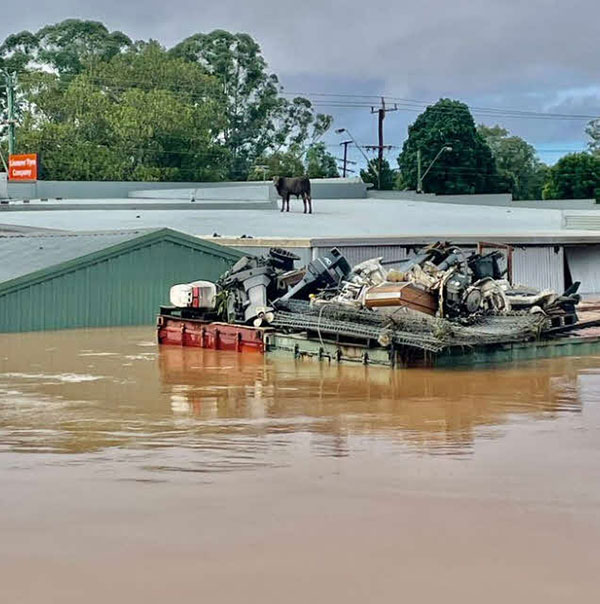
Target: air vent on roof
pixel 582 222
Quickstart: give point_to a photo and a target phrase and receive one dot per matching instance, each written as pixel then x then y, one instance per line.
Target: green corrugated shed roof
pixel 25 253
pixel 55 254
pixel 122 279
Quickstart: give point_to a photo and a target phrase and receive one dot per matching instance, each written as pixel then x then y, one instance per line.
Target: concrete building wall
pixel 557 204
pixel 99 189
pixel 492 200
pixel 333 188
pixel 337 188
pixel 3 185
pixel 242 193
pixel 500 199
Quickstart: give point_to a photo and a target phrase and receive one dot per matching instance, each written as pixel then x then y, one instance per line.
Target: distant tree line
pixel 484 159
pixel 96 105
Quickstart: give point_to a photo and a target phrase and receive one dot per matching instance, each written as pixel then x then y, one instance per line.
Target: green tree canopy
pixel 92 127
pixel 17 51
pixel 574 176
pixel 387 179
pixel 468 168
pixel 520 172
pixel 320 163
pixel 279 163
pixel 96 105
pixel 259 119
pixel 66 47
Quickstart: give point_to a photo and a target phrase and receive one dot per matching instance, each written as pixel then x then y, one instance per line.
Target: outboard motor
pixel 323 272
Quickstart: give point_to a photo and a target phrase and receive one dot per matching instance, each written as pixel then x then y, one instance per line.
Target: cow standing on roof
pixel 293 186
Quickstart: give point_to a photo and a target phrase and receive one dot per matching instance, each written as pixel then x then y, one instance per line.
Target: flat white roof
pixel 336 218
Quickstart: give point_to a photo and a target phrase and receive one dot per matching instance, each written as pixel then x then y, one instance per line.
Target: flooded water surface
pixel 130 473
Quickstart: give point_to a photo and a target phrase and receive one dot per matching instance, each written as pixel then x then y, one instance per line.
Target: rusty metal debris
pixel 442 296
pixel 245 292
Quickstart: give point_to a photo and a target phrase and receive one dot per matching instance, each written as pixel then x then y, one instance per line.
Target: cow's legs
pixel 287 201
pixel 309 198
pixel 282 203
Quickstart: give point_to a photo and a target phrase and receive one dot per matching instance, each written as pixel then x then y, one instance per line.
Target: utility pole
pixel 419 170
pixel 345 161
pixel 11 80
pixel 345 144
pixel 339 131
pixel 381 111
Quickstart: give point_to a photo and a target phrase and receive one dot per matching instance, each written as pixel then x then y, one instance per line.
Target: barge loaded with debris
pixel 442 306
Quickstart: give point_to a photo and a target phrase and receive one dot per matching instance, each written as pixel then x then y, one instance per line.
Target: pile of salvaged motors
pixel 441 297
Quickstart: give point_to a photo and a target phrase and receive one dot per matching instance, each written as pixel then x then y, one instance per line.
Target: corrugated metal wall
pixel 584 262
pixel 359 253
pixel 541 267
pixel 121 290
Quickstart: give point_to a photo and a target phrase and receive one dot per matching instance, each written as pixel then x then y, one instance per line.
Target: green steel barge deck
pixel 178 331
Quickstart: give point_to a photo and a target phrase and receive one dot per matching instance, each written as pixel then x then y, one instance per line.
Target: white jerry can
pixel 198 294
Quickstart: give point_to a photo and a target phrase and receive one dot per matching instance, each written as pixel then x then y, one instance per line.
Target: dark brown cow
pixel 293 186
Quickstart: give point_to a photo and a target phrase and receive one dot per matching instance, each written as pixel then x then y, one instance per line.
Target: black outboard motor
pixel 454 292
pixel 282 259
pixel 323 272
pixel 486 265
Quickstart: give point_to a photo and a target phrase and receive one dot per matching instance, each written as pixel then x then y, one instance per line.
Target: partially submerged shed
pixel 67 280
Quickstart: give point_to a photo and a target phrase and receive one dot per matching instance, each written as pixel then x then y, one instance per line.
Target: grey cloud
pixel 518 54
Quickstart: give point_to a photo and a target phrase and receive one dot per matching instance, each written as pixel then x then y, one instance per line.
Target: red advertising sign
pixel 22 167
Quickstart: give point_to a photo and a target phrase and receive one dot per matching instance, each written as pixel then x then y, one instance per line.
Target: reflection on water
pixel 438 411
pixel 83 392
pixel 133 474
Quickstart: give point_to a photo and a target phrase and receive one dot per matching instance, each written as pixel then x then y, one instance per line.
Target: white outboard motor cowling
pixel 198 294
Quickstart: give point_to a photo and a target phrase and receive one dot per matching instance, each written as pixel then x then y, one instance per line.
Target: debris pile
pixel 246 291
pixel 442 296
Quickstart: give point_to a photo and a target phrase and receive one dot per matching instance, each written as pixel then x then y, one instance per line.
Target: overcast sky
pixel 537 55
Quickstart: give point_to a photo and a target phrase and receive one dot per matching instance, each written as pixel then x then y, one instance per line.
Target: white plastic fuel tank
pixel 198 294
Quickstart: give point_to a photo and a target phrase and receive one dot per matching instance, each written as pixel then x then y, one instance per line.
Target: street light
pixel 341 130
pixel 420 177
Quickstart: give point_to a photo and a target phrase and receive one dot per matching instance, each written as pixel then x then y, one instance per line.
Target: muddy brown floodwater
pixel 133 474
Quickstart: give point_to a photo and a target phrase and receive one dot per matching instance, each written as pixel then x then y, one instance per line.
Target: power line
pixel 339 100
pixel 423 104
